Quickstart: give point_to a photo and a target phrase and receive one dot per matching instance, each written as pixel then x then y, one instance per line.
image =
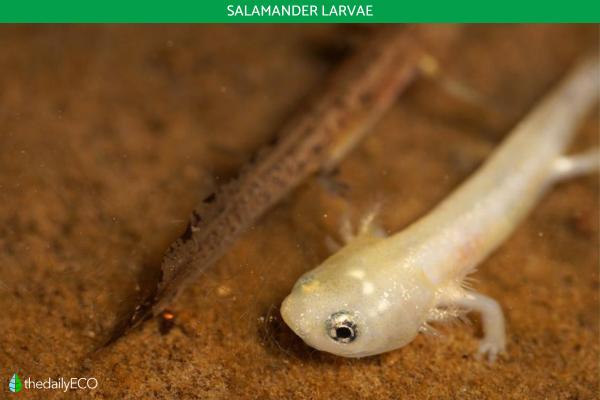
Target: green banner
pixel 290 11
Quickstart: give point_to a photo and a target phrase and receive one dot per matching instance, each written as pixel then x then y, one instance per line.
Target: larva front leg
pixel 494 336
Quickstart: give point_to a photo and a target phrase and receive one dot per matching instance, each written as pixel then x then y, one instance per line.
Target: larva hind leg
pixel 567 167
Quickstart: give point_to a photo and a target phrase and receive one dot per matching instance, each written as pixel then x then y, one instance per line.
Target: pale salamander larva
pixel 377 293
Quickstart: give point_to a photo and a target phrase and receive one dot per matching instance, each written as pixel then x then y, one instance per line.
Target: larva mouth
pixel 289 313
pixel 285 312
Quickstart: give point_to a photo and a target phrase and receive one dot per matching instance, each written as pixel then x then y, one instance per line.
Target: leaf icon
pixel 15 384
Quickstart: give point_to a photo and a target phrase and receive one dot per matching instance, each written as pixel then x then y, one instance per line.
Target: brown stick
pixel 364 87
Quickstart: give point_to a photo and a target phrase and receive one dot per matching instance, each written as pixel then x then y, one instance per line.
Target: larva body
pixel 377 293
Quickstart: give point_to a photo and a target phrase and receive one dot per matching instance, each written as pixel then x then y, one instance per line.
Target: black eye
pixel 341 327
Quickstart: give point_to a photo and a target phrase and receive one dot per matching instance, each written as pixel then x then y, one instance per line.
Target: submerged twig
pixel 361 91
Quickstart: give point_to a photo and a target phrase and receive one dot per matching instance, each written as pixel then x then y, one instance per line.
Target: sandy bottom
pixel 109 135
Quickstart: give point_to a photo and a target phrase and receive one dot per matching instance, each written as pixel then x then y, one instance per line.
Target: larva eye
pixel 341 327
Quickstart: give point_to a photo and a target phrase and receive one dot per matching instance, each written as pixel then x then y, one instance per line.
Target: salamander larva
pixel 377 293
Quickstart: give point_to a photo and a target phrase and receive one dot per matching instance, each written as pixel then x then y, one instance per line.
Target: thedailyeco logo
pixel 15 385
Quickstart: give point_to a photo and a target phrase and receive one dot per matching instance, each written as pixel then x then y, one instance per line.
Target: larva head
pixel 351 310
